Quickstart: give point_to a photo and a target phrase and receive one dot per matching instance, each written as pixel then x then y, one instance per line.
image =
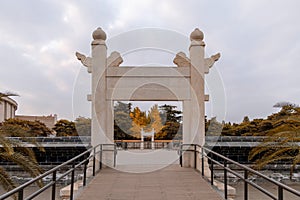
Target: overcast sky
pixel 259 41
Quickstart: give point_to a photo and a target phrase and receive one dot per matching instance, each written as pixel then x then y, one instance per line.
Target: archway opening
pixel 135 120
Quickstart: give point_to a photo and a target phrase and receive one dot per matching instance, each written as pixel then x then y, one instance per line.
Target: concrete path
pixel 170 183
pixel 144 161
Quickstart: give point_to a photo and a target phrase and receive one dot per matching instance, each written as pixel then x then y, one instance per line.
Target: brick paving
pixel 170 183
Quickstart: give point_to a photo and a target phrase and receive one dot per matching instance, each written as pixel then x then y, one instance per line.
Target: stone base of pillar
pixel 187 159
pixel 108 159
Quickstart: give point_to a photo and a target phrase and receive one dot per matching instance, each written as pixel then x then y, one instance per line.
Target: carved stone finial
pixel 181 60
pixel 216 56
pixel 86 61
pixel 99 34
pixel 114 60
pixel 197 35
pixel 209 62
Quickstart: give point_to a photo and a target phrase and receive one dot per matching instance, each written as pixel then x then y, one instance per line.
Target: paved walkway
pixel 170 183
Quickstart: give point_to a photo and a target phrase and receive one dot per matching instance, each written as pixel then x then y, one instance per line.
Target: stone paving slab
pixel 170 183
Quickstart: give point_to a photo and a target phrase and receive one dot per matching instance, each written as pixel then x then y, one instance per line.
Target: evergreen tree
pixel 214 127
pixel 122 121
pixel 65 128
pixel 32 128
pixel 169 113
pixel 246 119
pixel 285 104
pixel 172 128
pixel 83 126
pixel 284 120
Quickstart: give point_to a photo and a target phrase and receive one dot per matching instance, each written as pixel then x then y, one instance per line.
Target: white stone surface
pixel 184 83
pixel 114 60
pixel 8 108
pixel 141 161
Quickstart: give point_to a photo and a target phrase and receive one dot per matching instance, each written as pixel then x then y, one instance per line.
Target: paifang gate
pixel 182 82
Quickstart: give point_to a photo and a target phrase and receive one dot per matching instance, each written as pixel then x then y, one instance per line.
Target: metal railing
pixel 157 144
pixel 211 155
pixel 77 162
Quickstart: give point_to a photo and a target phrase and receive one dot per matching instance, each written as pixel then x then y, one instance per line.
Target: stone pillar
pixel 152 139
pixel 99 54
pixel 142 142
pixel 197 85
pixel 186 118
pixel 142 138
pixel 197 114
pixel 98 97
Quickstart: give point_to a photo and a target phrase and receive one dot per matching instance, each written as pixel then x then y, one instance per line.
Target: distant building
pixel 49 120
pixel 8 108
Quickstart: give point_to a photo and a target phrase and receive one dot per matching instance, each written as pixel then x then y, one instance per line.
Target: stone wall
pixel 49 120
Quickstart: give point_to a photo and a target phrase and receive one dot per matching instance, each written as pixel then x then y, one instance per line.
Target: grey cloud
pixel 258 40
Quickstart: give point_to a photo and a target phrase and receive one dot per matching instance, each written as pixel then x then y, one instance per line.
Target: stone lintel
pixel 148 72
pixel 147 95
pixel 150 88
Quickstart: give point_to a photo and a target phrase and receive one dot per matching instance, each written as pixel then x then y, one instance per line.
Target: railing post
pixel 211 171
pixel 225 179
pixel 84 173
pixel 202 160
pixel 54 185
pixel 94 161
pixel 72 181
pixel 245 185
pixel 195 156
pixel 280 193
pixel 101 151
pixel 115 155
pixel 180 155
pixel 21 194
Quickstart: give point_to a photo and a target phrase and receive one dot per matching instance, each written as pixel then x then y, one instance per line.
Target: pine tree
pixel 83 126
pixel 64 128
pixel 172 128
pixel 246 119
pixel 170 114
pixel 214 127
pixel 122 120
pixel 33 128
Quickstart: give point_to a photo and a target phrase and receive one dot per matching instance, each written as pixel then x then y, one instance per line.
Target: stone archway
pixel 182 82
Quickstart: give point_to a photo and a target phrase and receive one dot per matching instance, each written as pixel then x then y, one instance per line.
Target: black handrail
pixel 204 153
pixel 84 157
